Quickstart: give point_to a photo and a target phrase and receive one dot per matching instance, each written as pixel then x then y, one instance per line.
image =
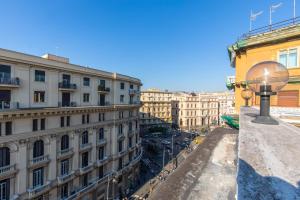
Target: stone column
pixel 22 160
pixel 52 155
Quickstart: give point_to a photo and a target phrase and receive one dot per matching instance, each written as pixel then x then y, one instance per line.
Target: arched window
pixel 64 142
pixel 38 148
pixel 4 156
pixel 85 137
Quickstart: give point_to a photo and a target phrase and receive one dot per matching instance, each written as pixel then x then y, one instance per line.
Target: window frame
pixel 287 53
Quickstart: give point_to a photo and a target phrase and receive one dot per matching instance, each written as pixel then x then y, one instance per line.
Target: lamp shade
pixel 268 73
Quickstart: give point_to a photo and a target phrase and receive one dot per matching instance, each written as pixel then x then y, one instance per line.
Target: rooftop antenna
pixel 253 17
pixel 273 9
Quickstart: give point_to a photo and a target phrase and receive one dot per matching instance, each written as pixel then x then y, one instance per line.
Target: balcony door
pixel 5 98
pixel 5 72
pixel 66 79
pixel 66 97
pixel 4 189
pixel 102 99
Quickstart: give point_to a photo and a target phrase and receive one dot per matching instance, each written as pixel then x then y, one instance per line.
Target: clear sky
pixel 168 44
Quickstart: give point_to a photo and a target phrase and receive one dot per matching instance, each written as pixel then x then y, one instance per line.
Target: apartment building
pixel 156 109
pixel 280 43
pixel 187 111
pixel 66 131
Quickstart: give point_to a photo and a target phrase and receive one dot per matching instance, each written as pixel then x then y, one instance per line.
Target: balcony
pixel 34 192
pixel 130 133
pixel 101 142
pixel 121 136
pixel 65 178
pixel 7 105
pixel 137 158
pixel 7 170
pixel 67 104
pixel 122 153
pixel 41 160
pixel 106 103
pixel 131 147
pixel 65 153
pixel 67 86
pixel 102 89
pixel 133 92
pixel 9 83
pixel 85 169
pixel 86 146
pixel 102 161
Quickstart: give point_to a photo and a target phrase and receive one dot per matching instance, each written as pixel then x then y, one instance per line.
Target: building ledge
pixel 268 161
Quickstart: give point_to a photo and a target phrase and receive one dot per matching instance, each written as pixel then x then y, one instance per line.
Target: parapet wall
pixel 268 159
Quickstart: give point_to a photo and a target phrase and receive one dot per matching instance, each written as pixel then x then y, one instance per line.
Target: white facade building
pixel 66 131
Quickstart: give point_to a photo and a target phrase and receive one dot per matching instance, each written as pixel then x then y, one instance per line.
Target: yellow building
pixel 264 44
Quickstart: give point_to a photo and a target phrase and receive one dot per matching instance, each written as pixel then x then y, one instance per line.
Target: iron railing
pixel 65 85
pixel 272 27
pixel 9 81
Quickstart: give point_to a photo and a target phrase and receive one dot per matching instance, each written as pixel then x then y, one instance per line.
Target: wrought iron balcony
pixel 106 103
pixel 9 82
pixel 7 105
pixel 67 86
pixel 103 89
pixel 133 92
pixel 67 104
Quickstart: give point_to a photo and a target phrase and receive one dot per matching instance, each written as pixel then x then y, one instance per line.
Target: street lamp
pixel 247 95
pixel 265 79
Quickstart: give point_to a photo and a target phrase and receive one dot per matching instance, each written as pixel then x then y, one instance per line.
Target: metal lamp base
pixel 265 120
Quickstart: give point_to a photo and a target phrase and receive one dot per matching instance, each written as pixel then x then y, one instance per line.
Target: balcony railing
pixel 65 152
pixel 6 105
pixel 133 92
pixel 67 86
pixel 40 159
pixel 66 177
pixel 101 141
pixel 106 103
pixel 68 104
pixel 84 169
pixel 85 146
pixel 103 89
pixel 33 192
pixel 7 169
pixel 101 161
pixel 15 82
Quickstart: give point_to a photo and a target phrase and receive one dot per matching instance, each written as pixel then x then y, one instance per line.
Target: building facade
pixel 66 131
pixel 281 44
pixel 156 110
pixel 189 111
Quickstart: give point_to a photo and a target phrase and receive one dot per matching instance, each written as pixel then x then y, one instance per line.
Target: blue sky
pixel 168 44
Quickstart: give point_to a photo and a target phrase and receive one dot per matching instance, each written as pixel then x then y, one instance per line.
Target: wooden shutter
pixel 288 98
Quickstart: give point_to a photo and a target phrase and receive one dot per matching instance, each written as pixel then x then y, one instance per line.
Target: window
pixel 101 133
pixel 39 96
pixel 68 120
pixel 130 142
pixel 34 124
pixel 4 157
pixel 8 128
pixel 122 98
pixel 39 76
pixel 121 115
pixel 120 163
pixel 130 156
pixel 86 97
pixel 4 189
pixel 64 142
pixel 84 180
pixel 101 172
pixel 64 169
pixel 289 58
pixel 83 119
pixel 101 153
pixel 122 86
pixel 85 159
pixel 0 129
pixel 64 191
pixel 101 117
pixel 130 126
pixel 130 113
pixel 120 146
pixel 136 124
pixel 102 83
pixel 62 121
pixel 131 86
pixel 38 177
pixel 43 123
pixel 120 129
pixel 86 81
pixel 88 118
pixel 85 137
pixel 38 148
